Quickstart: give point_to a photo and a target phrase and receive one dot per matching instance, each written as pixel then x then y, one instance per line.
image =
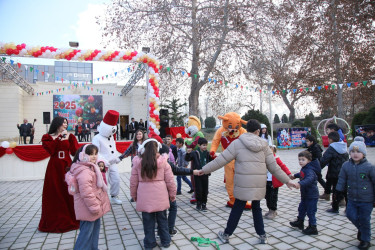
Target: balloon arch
pixel 23 50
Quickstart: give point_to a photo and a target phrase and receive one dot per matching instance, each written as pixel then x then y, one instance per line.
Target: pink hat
pixel 111 117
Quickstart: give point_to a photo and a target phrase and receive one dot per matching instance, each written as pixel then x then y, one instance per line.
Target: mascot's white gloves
pixel 114 161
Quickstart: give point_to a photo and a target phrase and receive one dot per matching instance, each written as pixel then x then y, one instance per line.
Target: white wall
pixel 16 104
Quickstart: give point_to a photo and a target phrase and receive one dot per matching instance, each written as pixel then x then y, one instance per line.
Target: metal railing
pixel 138 74
pixel 13 75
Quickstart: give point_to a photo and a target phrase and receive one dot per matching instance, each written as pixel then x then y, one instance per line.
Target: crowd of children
pixel 153 188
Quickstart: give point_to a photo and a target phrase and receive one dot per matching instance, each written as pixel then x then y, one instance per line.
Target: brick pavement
pixel 122 227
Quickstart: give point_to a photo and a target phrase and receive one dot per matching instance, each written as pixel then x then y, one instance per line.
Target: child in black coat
pixel 200 158
pixel 316 151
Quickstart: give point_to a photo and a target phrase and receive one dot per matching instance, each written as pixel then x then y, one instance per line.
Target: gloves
pixel 114 161
pixel 213 155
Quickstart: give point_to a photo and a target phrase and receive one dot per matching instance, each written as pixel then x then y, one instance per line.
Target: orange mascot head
pixel 232 122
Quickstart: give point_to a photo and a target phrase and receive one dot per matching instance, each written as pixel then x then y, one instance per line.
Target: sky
pixel 55 23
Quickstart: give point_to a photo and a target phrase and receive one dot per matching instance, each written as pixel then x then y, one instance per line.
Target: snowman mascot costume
pixel 107 151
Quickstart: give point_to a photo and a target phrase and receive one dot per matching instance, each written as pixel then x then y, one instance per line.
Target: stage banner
pixel 367 132
pixel 292 137
pixel 78 108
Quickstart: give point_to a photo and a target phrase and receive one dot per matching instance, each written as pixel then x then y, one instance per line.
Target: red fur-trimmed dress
pixel 57 205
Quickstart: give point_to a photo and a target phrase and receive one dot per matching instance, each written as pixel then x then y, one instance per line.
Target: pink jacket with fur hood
pixel 91 200
pixel 152 195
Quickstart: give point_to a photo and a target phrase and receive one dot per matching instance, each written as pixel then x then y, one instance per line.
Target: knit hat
pixel 359 138
pixel 262 126
pixel 111 117
pixel 358 145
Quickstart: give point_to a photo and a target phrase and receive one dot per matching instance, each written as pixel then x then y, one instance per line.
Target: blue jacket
pixel 181 158
pixel 308 180
pixel 358 180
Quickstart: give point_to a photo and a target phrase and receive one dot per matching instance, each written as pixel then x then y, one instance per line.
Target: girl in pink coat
pixel 152 186
pixel 91 201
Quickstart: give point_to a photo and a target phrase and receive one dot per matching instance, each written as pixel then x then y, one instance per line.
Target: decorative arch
pixel 50 52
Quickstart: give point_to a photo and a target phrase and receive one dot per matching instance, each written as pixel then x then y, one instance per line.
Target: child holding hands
pixel 91 201
pixel 309 192
pixel 152 186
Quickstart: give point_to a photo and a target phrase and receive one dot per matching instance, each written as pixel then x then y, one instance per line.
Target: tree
pixel 198 38
pixel 340 35
pixel 255 114
pixel 308 123
pixel 276 119
pixel 297 123
pixel 210 122
pixel 174 115
pixel 311 115
pixel 284 118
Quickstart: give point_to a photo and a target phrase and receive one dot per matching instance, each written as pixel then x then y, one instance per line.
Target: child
pixel 264 134
pixel 358 176
pixel 91 201
pixel 316 151
pixel 103 169
pixel 273 185
pixel 334 157
pixel 309 192
pixel 334 127
pixel 200 158
pixel 152 186
pixel 168 140
pixel 173 204
pixel 183 164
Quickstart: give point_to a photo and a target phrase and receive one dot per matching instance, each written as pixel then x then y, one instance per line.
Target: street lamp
pixel 269 101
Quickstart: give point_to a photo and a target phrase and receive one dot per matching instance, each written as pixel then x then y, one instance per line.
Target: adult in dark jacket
pixel 26 130
pixel 334 157
pixel 309 192
pixel 316 151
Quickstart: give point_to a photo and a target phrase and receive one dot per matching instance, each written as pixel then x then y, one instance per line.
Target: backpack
pixel 72 183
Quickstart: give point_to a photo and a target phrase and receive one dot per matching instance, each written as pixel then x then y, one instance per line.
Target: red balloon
pixel 145 60
pixel 9 151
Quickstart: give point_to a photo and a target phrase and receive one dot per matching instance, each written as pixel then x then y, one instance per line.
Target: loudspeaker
pixel 46 118
pixel 164 119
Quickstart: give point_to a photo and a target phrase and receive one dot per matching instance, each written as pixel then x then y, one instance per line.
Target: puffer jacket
pixel 358 180
pixel 315 150
pixel 152 195
pixel 253 158
pixel 309 180
pixel 334 157
pixel 91 201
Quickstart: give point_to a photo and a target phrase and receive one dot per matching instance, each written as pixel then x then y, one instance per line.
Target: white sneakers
pixel 116 200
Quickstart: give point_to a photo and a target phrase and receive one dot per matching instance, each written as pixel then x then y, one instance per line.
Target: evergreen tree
pixel 276 119
pixel 210 122
pixel 308 123
pixel 284 118
pixel 311 115
pixel 174 115
pixel 255 114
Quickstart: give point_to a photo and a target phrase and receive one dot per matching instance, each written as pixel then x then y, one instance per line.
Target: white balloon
pixel 155 112
pixel 5 144
pixel 157 132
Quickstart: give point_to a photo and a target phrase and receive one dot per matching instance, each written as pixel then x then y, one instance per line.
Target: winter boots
pixel 310 230
pixel 298 223
pixel 325 196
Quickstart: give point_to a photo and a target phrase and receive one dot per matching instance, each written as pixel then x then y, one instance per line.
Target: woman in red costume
pixel 57 205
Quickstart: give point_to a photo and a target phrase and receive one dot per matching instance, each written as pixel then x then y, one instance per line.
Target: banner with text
pixel 367 132
pixel 78 108
pixel 292 137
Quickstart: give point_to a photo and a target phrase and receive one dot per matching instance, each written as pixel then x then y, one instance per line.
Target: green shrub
pixel 210 122
pixel 255 114
pixel 297 123
pixel 284 119
pixel 276 119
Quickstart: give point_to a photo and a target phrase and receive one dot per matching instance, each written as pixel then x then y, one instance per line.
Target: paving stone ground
pixel 20 209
